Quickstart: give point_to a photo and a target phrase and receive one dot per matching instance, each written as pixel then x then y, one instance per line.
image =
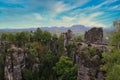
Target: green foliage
pixel 54 36
pixel 42 62
pixel 92 51
pixel 112 66
pixel 46 36
pixel 116 24
pixel 2 59
pixel 50 57
pixel 69 49
pixel 78 38
pixel 27 75
pixel 63 66
pixel 4 36
pixel 72 74
pixel 46 67
pixel 65 69
pixel 11 37
pixel 25 36
pixel 114 74
pixel 32 54
pixel 115 36
pixel 60 46
pixel 37 34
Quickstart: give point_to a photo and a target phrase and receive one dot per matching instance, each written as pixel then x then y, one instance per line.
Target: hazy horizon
pixel 46 13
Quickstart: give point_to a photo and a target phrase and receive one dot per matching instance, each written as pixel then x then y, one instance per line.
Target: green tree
pixel 112 66
pixel 22 37
pixel 18 39
pixel 69 48
pixel 11 37
pixel 2 61
pixel 65 67
pixel 54 36
pixel 4 36
pixel 72 74
pixel 78 38
pixel 46 68
pixel 37 34
pixel 116 24
pixel 46 37
pixel 27 75
pixel 60 46
pixel 115 36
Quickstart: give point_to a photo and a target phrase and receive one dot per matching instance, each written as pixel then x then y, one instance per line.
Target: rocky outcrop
pixel 90 56
pixel 94 35
pixel 89 65
pixel 14 63
pixel 67 36
pixel 87 54
pixel 54 45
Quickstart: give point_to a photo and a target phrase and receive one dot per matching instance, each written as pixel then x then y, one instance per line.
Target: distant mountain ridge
pixel 77 29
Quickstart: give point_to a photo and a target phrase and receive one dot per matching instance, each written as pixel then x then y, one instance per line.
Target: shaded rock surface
pixel 94 35
pixel 15 61
pixel 90 56
pixel 13 67
pixel 67 36
pixel 89 65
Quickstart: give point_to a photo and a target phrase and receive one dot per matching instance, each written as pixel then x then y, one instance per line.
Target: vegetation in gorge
pixel 40 48
pixel 112 60
pixel 47 50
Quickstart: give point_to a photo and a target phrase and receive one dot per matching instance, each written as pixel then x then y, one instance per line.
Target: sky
pixel 49 13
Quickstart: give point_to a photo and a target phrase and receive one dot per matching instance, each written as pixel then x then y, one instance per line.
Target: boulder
pixel 94 35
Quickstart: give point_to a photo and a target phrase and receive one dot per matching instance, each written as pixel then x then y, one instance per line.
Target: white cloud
pixel 105 2
pixel 83 19
pixel 92 23
pixel 37 16
pixel 95 15
pixel 60 6
pixel 116 7
pixel 66 18
pixel 90 20
pixel 64 21
pixel 54 8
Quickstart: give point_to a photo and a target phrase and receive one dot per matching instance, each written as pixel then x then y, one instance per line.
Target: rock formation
pixel 89 65
pixel 13 67
pixel 94 35
pixel 15 61
pixel 90 56
pixel 67 36
pixel 89 62
pixel 54 45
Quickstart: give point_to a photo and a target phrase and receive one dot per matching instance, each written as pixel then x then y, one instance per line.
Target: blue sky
pixel 48 13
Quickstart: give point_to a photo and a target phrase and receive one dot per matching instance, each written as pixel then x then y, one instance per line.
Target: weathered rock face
pixel 89 65
pixel 94 35
pixel 15 61
pixel 90 56
pixel 13 66
pixel 54 45
pixel 67 37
